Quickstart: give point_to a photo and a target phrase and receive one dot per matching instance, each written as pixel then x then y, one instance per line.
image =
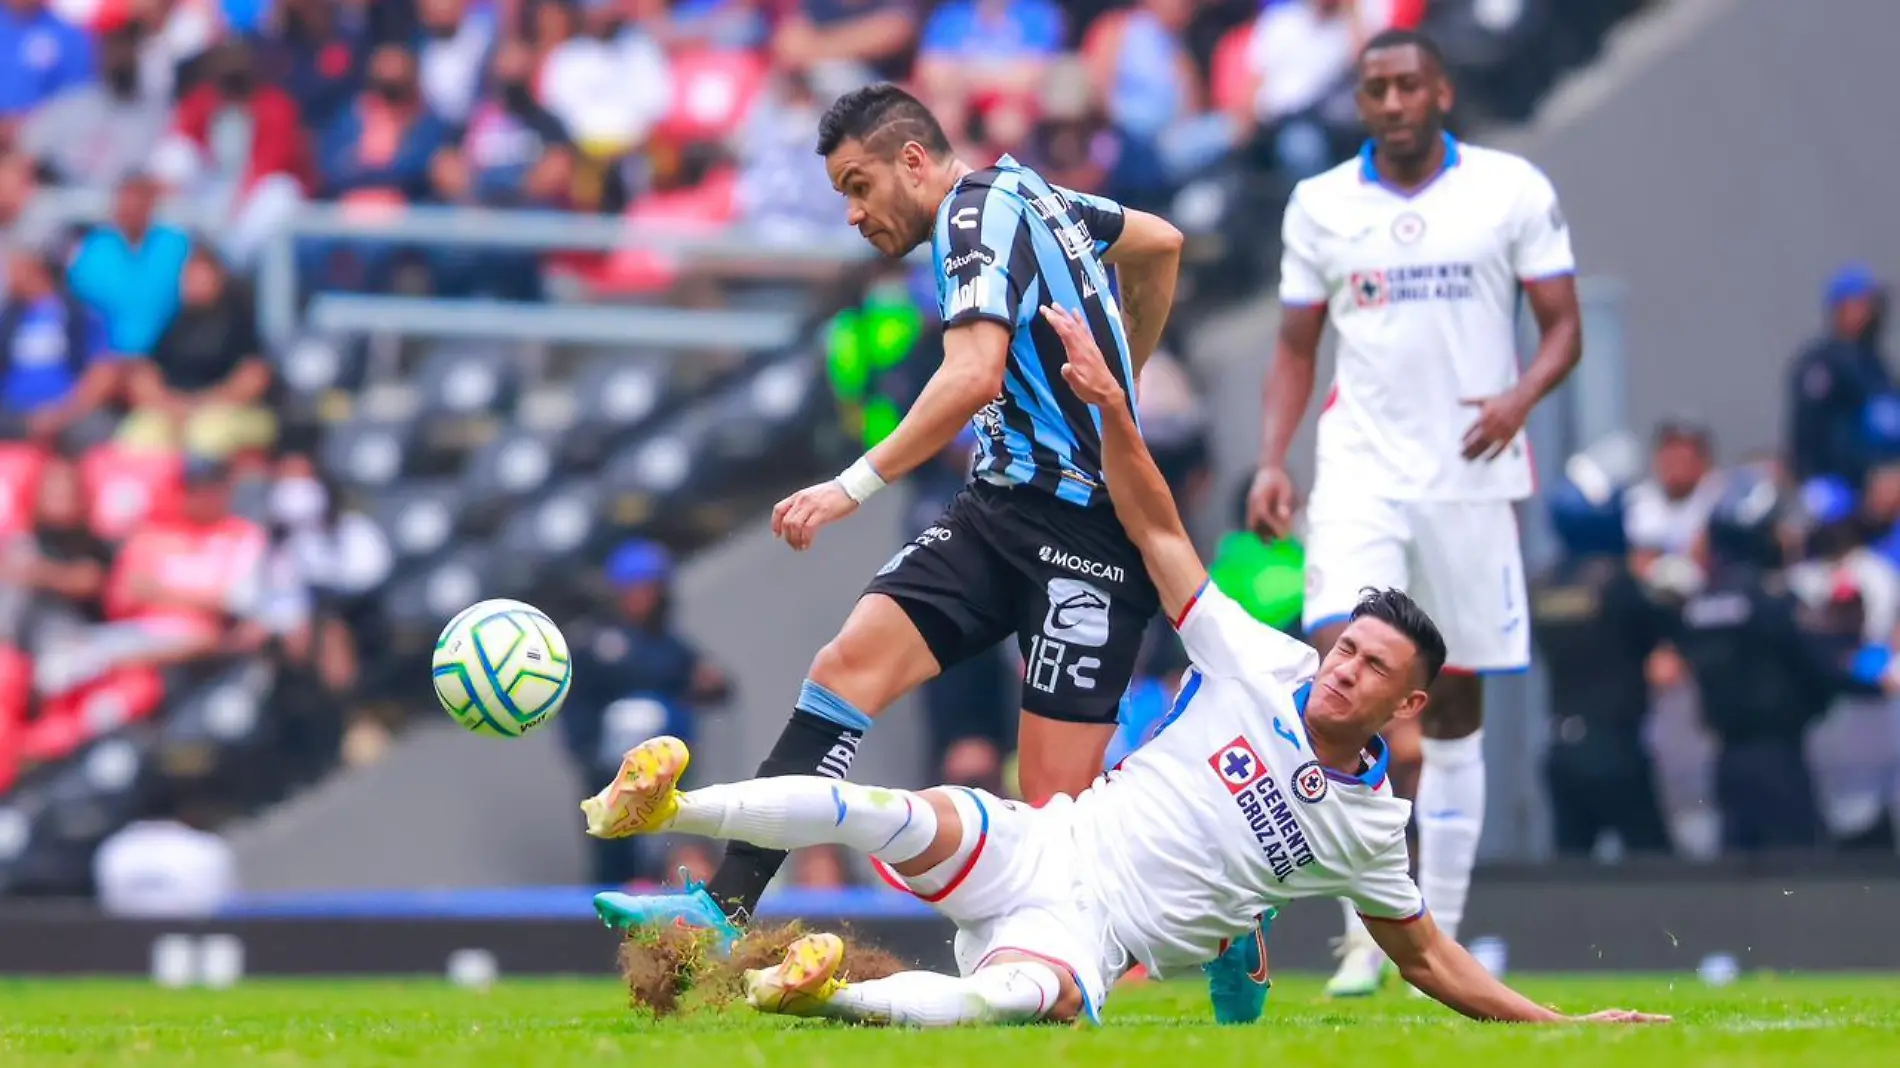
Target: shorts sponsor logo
pixel 1069 561
pixel 973 295
pixel 1309 782
pixel 894 562
pixel 1269 815
pixel 975 255
pixel 1078 613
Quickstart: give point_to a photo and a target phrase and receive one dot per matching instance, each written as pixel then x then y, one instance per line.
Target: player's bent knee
pixel 948 842
pixel 877 657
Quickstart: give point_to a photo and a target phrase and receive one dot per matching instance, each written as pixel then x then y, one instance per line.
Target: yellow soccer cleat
pixel 803 982
pixel 644 795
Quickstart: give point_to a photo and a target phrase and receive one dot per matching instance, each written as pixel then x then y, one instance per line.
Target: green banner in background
pixel 861 345
pixel 1268 579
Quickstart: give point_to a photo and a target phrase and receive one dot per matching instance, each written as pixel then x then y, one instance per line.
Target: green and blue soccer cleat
pixel 693 907
pixel 1237 980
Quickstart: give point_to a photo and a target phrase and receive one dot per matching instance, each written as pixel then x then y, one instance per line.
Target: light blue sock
pixel 821 702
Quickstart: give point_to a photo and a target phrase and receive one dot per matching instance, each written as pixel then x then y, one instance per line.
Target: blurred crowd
pixel 1717 638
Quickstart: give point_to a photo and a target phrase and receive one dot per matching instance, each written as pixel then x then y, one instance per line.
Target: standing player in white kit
pixel 1417 252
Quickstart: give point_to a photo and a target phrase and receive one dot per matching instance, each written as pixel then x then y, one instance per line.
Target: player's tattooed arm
pixel 1147 255
pixel 1135 486
pixel 1440 967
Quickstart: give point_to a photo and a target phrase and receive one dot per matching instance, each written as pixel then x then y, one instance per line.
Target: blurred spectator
pixel 54 366
pixel 374 159
pixel 1665 513
pixel 843 44
pixel 1174 424
pixel 513 154
pixel 210 356
pixel 635 677
pixel 59 571
pixel 1073 146
pixel 41 56
pixel 718 24
pixel 1834 381
pixel 987 59
pixel 318 51
pixel 178 35
pixel 127 269
pixel 457 38
pixel 609 85
pixel 96 133
pixel 1595 630
pixel 1300 63
pixel 1150 89
pixel 23 217
pixel 784 191
pixel 164 867
pixel 238 152
pixel 378 151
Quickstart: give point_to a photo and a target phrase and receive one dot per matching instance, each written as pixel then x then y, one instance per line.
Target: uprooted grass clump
pixel 668 969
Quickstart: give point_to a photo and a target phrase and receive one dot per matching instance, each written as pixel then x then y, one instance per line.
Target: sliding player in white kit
pixel 1417 252
pixel 1251 794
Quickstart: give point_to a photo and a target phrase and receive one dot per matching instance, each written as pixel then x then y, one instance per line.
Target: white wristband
pixel 860 480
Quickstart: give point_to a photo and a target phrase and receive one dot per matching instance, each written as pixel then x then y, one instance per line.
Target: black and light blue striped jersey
pixel 1006 244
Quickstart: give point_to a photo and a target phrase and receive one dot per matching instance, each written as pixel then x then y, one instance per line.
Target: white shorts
pixel 1023 891
pixel 1460 560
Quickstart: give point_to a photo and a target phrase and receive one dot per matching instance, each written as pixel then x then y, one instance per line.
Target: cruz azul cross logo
pixel 1237 765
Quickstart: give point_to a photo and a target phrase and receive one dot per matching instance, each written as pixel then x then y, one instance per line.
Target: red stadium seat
pixel 1227 78
pixel 1407 14
pixel 125 487
pixel 713 92
pixel 16 688
pixel 708 207
pixel 71 720
pixel 20 467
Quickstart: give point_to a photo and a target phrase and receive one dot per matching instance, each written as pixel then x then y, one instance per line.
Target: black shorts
pixel 1065 580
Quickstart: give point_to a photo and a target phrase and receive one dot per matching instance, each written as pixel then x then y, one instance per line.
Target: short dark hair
pixel 881 117
pixel 1397 38
pixel 1401 613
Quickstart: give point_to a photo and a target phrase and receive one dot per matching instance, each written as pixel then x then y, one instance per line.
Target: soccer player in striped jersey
pixel 1031 547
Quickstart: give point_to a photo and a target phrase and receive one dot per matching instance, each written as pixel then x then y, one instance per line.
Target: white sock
pixel 1011 992
pixel 1450 810
pixel 796 811
pixel 1357 937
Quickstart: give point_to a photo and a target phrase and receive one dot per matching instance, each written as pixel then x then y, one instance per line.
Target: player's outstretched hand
pixel 1086 372
pixel 1622 1016
pixel 798 517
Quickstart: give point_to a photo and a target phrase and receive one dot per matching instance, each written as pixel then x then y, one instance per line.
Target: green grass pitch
pixel 1760 1021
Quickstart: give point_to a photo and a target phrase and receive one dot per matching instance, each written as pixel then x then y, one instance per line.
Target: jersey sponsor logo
pixel 1069 561
pixel 1076 240
pixel 1051 206
pixel 965 218
pixel 975 255
pixel 1416 284
pixel 1408 228
pixel 1309 782
pixel 1237 765
pixel 1268 813
pixel 1078 613
pixel 894 562
pixel 973 295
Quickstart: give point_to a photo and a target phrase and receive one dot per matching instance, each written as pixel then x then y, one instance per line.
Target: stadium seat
pixel 713 91
pixel 370 450
pixel 124 486
pixel 20 467
pixel 420 518
pixel 215 737
pixel 513 466
pixel 314 374
pixel 420 599
pixel 535 545
pixel 616 394
pixel 464 392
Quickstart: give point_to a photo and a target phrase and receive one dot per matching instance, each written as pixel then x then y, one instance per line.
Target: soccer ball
pixel 501 668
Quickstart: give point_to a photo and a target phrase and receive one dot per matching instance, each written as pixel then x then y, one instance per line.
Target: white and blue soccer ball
pixel 502 668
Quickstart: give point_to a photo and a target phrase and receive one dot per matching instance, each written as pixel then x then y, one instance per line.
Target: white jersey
pixel 1225 811
pixel 1423 290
